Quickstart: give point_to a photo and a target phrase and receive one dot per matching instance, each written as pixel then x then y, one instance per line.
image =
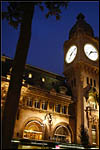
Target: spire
pixel 81 26
pixel 80 17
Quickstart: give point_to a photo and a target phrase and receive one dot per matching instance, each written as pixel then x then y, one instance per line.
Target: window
pixel 17 134
pixel 93 134
pixel 94 83
pixel 43 79
pixel 23 82
pixel 29 102
pixel 30 75
pixel 37 104
pixel 44 105
pixel 64 109
pixel 8 77
pixel 10 69
pixel 57 108
pixel 87 80
pixel 91 82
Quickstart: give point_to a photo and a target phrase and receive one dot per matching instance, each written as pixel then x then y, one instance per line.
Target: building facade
pixel 43 108
pixel 53 107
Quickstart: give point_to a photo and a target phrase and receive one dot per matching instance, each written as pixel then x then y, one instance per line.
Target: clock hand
pixel 92 52
pixel 71 53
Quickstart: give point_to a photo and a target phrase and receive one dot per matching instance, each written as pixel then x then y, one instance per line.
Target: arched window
pixel 33 130
pixel 62 134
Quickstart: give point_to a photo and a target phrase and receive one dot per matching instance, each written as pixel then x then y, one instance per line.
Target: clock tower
pixel 81 69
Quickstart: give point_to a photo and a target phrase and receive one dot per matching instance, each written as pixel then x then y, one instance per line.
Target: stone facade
pixel 43 108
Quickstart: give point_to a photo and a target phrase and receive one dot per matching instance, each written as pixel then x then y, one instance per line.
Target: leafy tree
pixel 21 13
pixel 84 136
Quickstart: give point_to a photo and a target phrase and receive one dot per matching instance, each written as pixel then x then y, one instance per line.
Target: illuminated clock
pixel 71 53
pixel 91 52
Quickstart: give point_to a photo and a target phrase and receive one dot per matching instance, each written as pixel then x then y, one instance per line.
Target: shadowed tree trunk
pixel 13 95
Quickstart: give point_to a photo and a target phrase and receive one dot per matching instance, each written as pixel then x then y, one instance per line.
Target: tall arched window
pixel 62 134
pixel 33 130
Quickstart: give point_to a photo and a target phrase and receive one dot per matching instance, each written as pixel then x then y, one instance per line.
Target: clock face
pixel 70 56
pixel 91 52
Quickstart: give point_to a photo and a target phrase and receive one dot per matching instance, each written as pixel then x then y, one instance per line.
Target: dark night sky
pixel 48 35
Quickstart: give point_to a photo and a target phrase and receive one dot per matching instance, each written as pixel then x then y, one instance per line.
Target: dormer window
pixel 10 69
pixel 8 77
pixel 23 82
pixel 30 75
pixel 43 79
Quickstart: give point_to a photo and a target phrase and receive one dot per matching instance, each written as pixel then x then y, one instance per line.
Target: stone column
pixel 40 104
pixel 48 106
pixel 66 109
pixel 60 108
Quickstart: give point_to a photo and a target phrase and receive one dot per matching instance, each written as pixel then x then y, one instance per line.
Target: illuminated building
pixel 53 107
pixel 43 107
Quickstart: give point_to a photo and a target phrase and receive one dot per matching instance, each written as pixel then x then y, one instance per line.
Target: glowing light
pixel 43 79
pixel 30 75
pixel 57 147
pixel 15 141
pixel 23 81
pixel 8 77
pixel 10 69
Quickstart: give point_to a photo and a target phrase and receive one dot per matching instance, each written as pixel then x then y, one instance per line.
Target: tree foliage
pixel 15 10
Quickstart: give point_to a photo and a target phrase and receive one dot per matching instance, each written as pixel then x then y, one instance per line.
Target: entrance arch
pixel 62 134
pixel 33 130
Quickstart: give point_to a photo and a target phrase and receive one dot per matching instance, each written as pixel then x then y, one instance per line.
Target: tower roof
pixel 81 26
